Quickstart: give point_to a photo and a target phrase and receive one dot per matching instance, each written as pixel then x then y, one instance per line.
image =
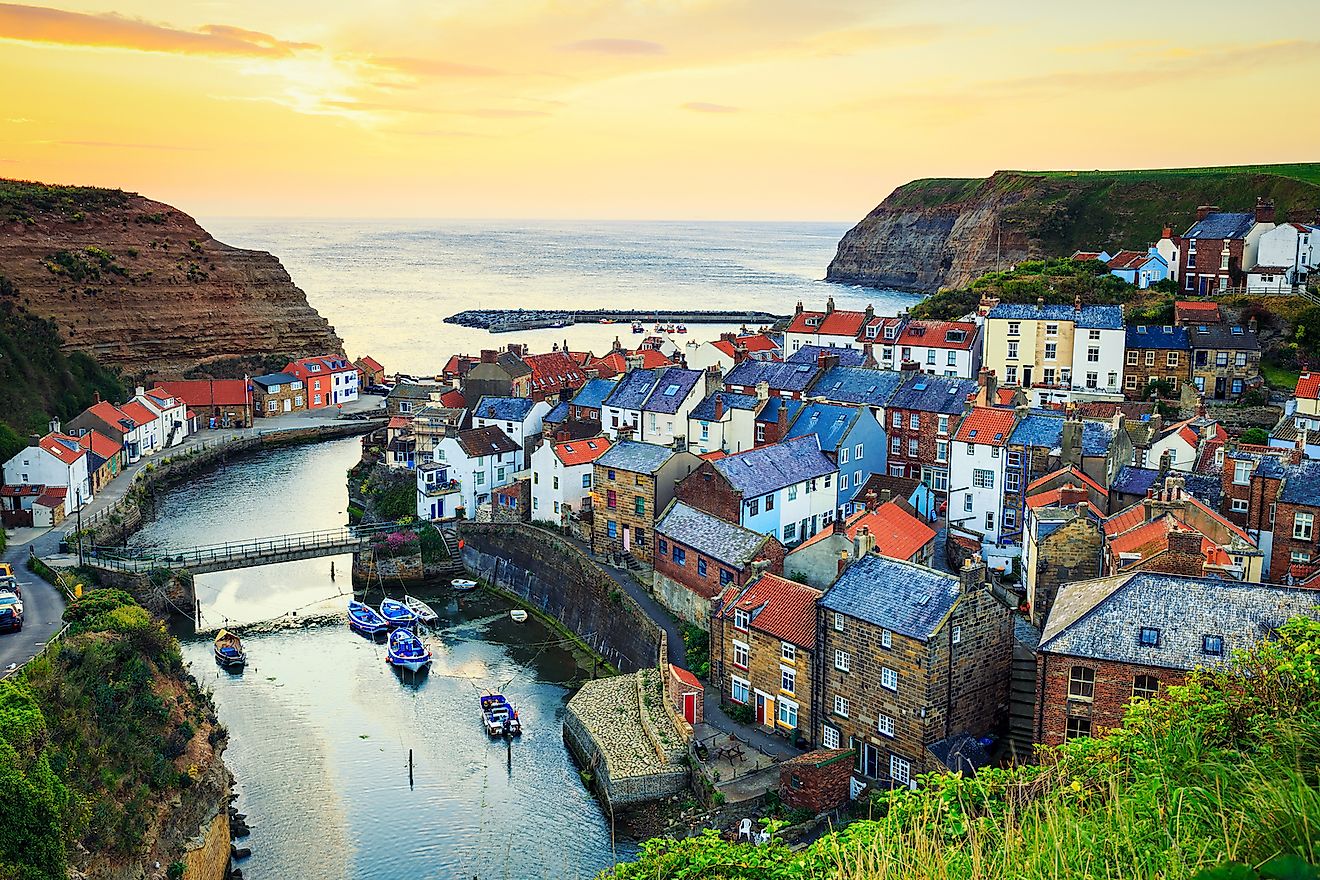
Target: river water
pixel 321 727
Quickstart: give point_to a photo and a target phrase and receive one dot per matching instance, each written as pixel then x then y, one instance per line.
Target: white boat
pixel 463 585
pixel 518 615
pixel 425 613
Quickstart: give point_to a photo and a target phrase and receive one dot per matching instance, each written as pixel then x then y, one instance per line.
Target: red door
pixel 690 708
pixel 760 709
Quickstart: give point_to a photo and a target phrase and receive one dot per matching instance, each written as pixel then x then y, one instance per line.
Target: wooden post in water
pixel 198 609
pixel 508 742
pixel 410 768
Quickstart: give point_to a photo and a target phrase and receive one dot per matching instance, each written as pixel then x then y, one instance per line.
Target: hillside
pixel 936 233
pixel 1215 780
pixel 142 287
pixel 110 756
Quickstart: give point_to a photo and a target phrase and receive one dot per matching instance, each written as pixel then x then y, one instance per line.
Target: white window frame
pixel 889 678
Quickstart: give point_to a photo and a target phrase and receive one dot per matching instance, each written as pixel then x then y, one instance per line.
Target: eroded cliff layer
pixel 141 286
pixel 938 233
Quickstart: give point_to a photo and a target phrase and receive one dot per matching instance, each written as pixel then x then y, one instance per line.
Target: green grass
pixel 1213 779
pixel 1308 172
pixel 1280 377
pixel 21 199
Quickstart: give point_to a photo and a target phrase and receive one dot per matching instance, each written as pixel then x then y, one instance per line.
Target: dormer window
pixel 1149 637
pixel 891 331
pixel 741 619
pixel 870 332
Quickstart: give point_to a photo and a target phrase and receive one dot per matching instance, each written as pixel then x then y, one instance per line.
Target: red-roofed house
pixel 561 477
pixel 730 350
pixel 617 362
pixel 553 375
pixel 110 420
pixel 51 507
pixel 218 403
pixel 56 461
pixel 1308 395
pixel 370 372
pixel 330 380
pixel 830 328
pixel 763 651
pixel 105 458
pixel 941 348
pixel 16 504
pixel 171 415
pixel 976 473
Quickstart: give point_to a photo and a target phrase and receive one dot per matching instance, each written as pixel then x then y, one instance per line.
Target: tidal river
pixel 321 728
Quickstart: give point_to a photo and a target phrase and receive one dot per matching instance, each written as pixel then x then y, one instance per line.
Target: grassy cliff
pixel 1217 779
pixel 96 737
pixel 936 233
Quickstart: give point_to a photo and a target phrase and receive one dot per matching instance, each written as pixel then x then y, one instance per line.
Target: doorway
pixel 870 760
pixel 690 708
pixel 761 707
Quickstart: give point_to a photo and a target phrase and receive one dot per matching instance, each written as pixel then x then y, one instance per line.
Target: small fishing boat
pixel 229 650
pixel 406 651
pixel 499 715
pixel 637 327
pixel 682 328
pixel 364 619
pixel 425 613
pixel 608 321
pixel 463 585
pixel 518 615
pixel 396 613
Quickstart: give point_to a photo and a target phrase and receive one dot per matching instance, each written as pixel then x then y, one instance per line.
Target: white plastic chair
pixel 745 829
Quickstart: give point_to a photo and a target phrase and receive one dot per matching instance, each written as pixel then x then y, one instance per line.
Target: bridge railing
pixel 122 559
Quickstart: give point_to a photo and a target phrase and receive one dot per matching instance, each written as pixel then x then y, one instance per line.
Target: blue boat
pixel 406 651
pixel 364 619
pixel 499 716
pixel 396 613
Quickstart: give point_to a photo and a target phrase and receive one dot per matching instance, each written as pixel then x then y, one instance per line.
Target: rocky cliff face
pixel 929 234
pixel 141 286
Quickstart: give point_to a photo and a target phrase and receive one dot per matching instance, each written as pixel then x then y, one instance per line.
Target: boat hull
pixel 230 661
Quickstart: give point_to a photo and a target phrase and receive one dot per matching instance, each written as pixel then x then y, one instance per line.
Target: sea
pixel 387 285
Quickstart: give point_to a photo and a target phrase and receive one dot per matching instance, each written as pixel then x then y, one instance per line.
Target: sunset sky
pixel 748 109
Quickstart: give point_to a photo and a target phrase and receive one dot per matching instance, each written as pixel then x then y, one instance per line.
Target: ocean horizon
pixel 387 285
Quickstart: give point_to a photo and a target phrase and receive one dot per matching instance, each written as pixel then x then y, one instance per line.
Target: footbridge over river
pixel 240 554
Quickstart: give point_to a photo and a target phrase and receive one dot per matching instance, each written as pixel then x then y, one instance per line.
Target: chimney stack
pixel 870 312
pixel 488 355
pixel 972 575
pixel 863 542
pixel 55 425
pixel 762 390
pixel 1166 232
pixel 829 306
pixel 843 561
pixel 1040 302
pixel 1264 210
pixel 1070 495
pixel 719 407
pixel 1185 542
pixel 871 500
pixel 886 496
pixel 798 310
pixel 987 388
pixel 1204 211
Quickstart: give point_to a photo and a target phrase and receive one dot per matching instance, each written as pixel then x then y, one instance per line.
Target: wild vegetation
pixel 95 735
pixel 22 199
pixel 1219 778
pixel 38 378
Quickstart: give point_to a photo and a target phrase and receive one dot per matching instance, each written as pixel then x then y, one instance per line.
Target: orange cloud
pixel 34 24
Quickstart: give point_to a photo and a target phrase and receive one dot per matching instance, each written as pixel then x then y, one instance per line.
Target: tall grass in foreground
pixel 1222 771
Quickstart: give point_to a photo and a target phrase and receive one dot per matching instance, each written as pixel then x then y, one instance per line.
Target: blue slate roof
pixel 933 394
pixel 1132 480
pixel 909 599
pixel 1101 619
pixel 1155 336
pixel 509 409
pixel 1301 484
pixel 1046 430
pixel 828 422
pixel 770 468
pixel 857 385
pixel 275 379
pixel 708 534
pixel 779 376
pixel 593 393
pixel 773 406
pixel 1205 487
pixel 810 354
pixel 559 413
pixel 1091 317
pixel 641 458
pixel 1222 224
pixel 672 386
pixel 632 389
pixel 706 409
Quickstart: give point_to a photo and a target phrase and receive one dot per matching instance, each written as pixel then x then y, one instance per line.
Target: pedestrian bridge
pixel 241 554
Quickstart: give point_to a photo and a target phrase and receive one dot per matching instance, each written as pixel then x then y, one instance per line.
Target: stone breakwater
pixel 510 320
pixel 627 747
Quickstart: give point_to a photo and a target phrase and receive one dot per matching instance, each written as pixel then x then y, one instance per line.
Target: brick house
pixel 370 372
pixel 217 403
pixel 1286 505
pixel 909 657
pixel 1156 354
pixel 276 393
pixel 920 421
pixel 554 375
pixel 1110 640
pixel 763 652
pixel 331 380
pixel 1064 542
pixel 631 484
pixel 773 415
pixel 1215 250
pixel 105 458
pixel 698 556
pixel 818 781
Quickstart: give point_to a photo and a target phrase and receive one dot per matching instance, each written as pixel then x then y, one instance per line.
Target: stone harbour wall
pixel 554 576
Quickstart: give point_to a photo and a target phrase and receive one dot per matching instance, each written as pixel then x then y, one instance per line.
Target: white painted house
pixel 730 350
pixel 723 422
pixel 787 490
pixel 520 418
pixel 481 460
pixel 652 405
pixel 976 473
pixel 561 476
pixel 1285 255
pixel 171 413
pixel 55 460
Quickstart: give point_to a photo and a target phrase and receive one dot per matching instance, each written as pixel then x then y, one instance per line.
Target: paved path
pixel 43 606
pixel 713 714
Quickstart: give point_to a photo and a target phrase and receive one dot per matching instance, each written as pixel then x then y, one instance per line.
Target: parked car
pixel 10 600
pixel 376 389
pixel 11 619
pixel 10 583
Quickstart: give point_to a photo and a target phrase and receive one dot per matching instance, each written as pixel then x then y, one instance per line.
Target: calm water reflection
pixel 321 726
